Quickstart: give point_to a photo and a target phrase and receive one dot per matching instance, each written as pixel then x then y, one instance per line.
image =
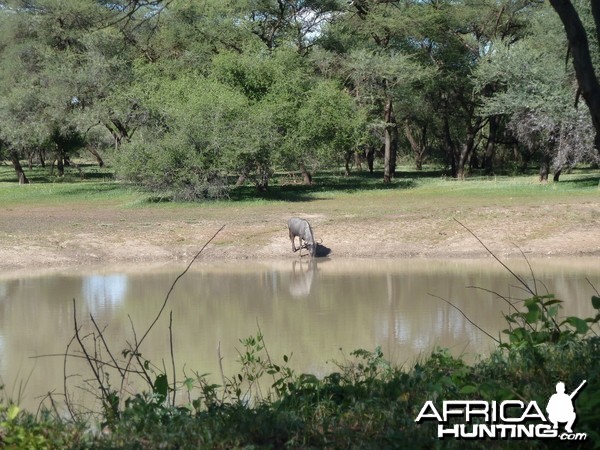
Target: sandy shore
pixel 79 234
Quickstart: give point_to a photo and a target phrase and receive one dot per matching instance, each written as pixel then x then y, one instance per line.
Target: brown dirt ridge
pixel 79 234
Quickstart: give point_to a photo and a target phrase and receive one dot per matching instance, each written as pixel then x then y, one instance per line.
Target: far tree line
pixel 185 96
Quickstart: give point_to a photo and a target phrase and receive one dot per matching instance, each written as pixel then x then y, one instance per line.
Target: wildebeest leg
pixel 293 238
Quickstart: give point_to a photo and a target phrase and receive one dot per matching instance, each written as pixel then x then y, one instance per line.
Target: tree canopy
pixel 193 98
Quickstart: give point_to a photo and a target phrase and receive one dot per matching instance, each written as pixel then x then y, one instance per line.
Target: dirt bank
pixel 386 225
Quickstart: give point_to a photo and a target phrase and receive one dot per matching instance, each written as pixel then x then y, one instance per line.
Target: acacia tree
pixel 443 41
pixel 366 50
pixel 459 44
pixel 194 137
pixel 291 22
pixel 535 92
pixel 579 49
pixel 58 62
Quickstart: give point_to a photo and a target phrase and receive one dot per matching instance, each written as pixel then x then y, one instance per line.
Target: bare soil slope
pixel 377 224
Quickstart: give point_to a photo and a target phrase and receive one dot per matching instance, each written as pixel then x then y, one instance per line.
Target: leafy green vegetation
pixel 190 99
pixel 269 102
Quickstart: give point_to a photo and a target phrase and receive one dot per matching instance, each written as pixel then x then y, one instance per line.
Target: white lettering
pixel 537 414
pixel 472 410
pixel 515 419
pixel 487 430
pixel 545 430
pixel 453 431
pixel 510 404
pixel 525 430
pixel 503 429
pixel 465 434
pixel 573 437
pixel 448 411
pixel 433 415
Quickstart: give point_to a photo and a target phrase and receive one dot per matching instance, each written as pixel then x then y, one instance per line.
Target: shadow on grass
pixel 91 189
pixel 73 174
pixel 281 189
pixel 325 183
pixel 589 181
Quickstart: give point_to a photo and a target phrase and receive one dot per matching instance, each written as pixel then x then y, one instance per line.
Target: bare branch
pixel 466 317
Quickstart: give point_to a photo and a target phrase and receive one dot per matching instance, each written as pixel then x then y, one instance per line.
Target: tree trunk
pixel 370 155
pixel 544 168
pixel 94 152
pixel 262 178
pixel 465 155
pixel 118 130
pixel 417 144
pixel 306 176
pixel 391 142
pixel 358 160
pixel 556 176
pixel 582 61
pixel 449 148
pixel 347 159
pixel 490 148
pixel 14 158
pixel 60 162
pixel 241 180
pixel 467 149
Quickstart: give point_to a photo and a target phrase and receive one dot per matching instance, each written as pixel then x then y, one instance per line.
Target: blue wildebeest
pixel 301 228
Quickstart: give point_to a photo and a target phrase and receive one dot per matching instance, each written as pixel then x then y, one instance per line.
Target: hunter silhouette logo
pixel 508 419
pixel 560 407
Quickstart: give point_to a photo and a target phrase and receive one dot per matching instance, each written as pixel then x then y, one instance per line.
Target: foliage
pixel 531 86
pixel 186 96
pixel 194 135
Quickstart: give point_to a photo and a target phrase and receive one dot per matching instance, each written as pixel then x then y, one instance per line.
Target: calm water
pixel 312 311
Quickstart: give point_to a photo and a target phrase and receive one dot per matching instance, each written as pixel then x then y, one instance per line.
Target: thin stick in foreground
pixel 466 317
pixel 162 308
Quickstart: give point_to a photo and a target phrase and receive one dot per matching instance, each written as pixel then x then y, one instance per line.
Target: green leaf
pixel 553 311
pixel 552 302
pixel 580 325
pixel 189 383
pixel 596 302
pixel 533 314
pixel 468 389
pixel 161 386
pixel 12 412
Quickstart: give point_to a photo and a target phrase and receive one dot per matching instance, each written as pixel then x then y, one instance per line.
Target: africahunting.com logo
pixel 509 419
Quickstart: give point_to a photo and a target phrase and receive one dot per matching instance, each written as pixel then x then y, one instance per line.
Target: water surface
pixel 316 312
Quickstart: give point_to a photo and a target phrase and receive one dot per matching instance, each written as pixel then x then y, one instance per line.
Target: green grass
pixel 99 184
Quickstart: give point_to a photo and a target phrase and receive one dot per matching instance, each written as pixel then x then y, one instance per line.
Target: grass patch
pixel 99 184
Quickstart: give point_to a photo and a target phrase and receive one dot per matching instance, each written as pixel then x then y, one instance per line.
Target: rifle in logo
pixel 560 407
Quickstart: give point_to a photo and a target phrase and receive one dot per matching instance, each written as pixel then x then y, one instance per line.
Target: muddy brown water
pixel 316 313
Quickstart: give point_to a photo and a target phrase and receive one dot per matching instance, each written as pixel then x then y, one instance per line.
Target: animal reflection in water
pixel 301 229
pixel 302 278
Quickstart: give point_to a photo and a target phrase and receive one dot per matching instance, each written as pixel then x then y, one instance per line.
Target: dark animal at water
pixel 301 228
